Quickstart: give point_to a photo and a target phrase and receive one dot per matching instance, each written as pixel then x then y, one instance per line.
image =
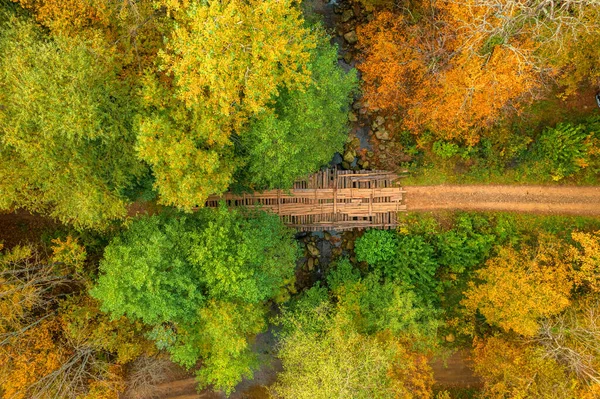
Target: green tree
pixel 306 127
pixel 66 139
pixel 201 281
pixel 326 355
pixel 406 258
pixel 565 149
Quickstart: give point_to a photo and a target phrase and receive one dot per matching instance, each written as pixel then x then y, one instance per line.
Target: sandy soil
pixel 559 200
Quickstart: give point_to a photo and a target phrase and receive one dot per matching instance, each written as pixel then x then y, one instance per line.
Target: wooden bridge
pixel 330 200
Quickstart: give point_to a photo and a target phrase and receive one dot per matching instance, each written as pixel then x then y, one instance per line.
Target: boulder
pixel 312 249
pixel 351 37
pixel 348 57
pixel 347 15
pixel 382 134
pixel 311 263
pixel 352 117
pixel 349 156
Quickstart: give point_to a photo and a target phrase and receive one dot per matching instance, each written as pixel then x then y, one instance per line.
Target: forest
pixel 120 118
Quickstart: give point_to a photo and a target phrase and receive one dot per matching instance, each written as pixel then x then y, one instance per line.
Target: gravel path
pixel 559 200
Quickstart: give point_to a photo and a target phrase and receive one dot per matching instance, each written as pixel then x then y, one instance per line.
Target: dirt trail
pixel 565 200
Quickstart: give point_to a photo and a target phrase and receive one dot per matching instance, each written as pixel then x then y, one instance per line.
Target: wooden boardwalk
pixel 330 200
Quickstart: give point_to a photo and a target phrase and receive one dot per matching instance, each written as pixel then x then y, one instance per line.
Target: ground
pixel 563 200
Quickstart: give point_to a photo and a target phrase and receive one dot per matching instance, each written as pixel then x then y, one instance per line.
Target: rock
pixel 348 57
pixel 350 245
pixel 349 156
pixel 311 263
pixel 365 164
pixel 351 37
pixel 327 235
pixel 347 15
pixel 337 251
pixel 450 337
pixel 312 249
pixel 370 154
pixel 381 148
pixel 380 120
pixel 345 165
pixel 382 134
pixel 352 117
pixel 337 159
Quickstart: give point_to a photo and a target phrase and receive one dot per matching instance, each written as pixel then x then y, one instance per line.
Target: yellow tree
pixel 133 29
pixel 224 62
pixel 520 286
pixel 518 370
pixel 56 347
pixel 586 255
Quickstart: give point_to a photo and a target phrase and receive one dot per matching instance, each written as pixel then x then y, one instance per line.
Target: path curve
pixel 559 200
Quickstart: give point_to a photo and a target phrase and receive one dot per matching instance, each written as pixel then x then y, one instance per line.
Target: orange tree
pixel 54 341
pixel 455 68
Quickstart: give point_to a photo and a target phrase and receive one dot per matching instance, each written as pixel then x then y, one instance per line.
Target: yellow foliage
pixel 520 286
pixel 69 252
pixel 260 47
pixel 587 260
pixel 27 358
pixel 519 371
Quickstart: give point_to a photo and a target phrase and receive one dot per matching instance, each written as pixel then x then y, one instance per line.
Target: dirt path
pixel 564 200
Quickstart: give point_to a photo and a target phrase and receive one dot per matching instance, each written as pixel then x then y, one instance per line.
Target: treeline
pixel 107 101
pixel 87 317
pixel 477 85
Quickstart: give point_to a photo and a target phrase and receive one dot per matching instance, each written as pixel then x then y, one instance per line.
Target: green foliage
pixel 376 246
pixel 338 363
pixel 374 306
pixel 245 259
pixel 220 337
pixel 405 258
pixel 206 275
pixel 464 246
pixel 445 149
pixel 145 273
pixel 66 137
pixel 306 127
pixel 564 150
pixel 354 343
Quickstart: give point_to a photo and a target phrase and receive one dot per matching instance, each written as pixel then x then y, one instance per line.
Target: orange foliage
pixel 29 357
pixel 440 76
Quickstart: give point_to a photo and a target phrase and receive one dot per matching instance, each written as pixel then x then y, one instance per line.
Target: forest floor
pixel 563 200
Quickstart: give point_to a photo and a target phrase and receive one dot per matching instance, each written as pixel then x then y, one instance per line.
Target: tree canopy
pixel 66 138
pixel 201 282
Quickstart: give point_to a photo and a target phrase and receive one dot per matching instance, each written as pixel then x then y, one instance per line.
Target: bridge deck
pixel 330 200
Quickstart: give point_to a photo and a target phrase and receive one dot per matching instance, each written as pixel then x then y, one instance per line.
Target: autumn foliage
pixel 440 77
